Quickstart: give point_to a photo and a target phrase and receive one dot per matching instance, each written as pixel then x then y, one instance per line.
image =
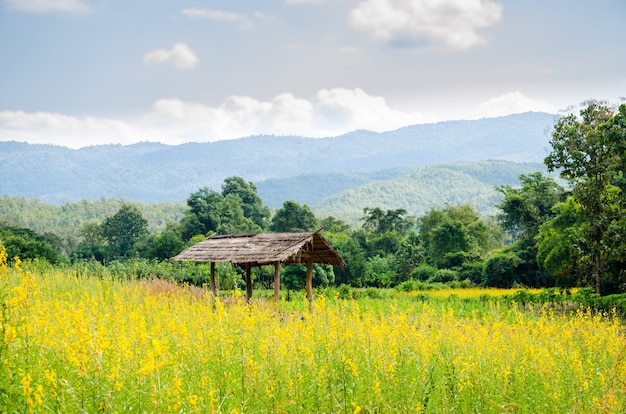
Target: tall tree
pixel 202 216
pixel 584 150
pixel 251 203
pixel 294 217
pixel 123 230
pixel 455 229
pixel 232 218
pixel 562 247
pixel 525 208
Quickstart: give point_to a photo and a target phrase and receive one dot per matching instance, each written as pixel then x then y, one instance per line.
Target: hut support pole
pixel 276 282
pixel 212 281
pixel 248 283
pixel 309 282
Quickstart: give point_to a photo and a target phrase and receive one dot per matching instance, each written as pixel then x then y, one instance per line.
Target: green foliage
pixel 294 277
pixel 379 271
pixel 523 211
pixel 162 246
pixel 472 271
pixel 501 270
pixel 123 230
pixel 525 208
pixel 444 276
pixel 588 150
pixel 67 221
pixel 27 244
pixel 429 186
pixel 293 217
pixel 354 256
pixel 250 201
pixel 238 209
pixel 423 272
pixel 446 232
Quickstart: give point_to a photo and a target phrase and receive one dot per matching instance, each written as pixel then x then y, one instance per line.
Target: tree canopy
pixel 588 150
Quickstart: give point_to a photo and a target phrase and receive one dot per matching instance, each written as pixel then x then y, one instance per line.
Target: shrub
pixel 423 272
pixel 501 270
pixel 444 276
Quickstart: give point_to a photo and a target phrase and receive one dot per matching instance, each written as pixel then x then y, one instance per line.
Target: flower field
pixel 71 343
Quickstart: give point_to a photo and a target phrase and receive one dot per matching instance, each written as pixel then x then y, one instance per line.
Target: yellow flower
pixel 16 263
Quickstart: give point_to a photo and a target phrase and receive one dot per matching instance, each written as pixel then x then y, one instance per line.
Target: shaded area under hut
pixel 256 250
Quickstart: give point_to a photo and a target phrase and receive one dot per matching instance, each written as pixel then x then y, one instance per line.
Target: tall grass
pixel 72 343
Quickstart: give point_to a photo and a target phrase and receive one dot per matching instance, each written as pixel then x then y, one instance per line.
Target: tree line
pixel 545 234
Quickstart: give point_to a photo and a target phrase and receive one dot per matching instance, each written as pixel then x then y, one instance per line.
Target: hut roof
pixel 263 249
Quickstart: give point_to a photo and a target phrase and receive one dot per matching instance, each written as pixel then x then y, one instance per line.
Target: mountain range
pixel 332 174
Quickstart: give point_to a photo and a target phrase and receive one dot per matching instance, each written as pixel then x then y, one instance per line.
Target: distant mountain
pixel 430 187
pixel 151 172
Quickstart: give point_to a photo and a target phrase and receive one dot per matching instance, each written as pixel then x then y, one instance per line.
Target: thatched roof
pixel 263 249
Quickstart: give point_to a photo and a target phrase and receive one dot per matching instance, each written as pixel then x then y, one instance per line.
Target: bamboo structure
pixel 256 250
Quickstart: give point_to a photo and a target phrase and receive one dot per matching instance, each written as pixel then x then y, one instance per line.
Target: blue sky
pixel 87 72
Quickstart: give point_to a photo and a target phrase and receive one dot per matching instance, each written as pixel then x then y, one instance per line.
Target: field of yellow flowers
pixel 71 343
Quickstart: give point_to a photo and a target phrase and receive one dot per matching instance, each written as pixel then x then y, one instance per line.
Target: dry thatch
pixel 263 249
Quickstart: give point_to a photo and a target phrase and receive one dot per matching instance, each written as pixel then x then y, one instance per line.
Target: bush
pixel 501 270
pixel 423 272
pixel 472 271
pixel 444 276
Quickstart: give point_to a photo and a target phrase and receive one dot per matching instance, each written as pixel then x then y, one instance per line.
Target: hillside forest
pixel 545 231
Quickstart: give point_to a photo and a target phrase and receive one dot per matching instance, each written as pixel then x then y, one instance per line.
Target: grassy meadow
pixel 70 343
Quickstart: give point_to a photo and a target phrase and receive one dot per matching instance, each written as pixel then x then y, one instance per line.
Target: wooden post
pixel 309 282
pixel 212 281
pixel 248 283
pixel 276 282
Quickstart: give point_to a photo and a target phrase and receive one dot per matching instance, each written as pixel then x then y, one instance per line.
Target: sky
pixel 88 72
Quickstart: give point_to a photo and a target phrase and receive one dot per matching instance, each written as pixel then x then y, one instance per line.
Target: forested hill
pixel 152 172
pixel 430 187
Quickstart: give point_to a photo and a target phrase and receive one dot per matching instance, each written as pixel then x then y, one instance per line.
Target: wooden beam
pixel 309 281
pixel 212 283
pixel 276 282
pixel 248 283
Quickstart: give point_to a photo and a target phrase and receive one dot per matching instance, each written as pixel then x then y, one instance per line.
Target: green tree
pixel 586 151
pixel 523 210
pixel 293 217
pixel 407 257
pixel 232 219
pixel 501 270
pixel 383 232
pixel 341 238
pixel 294 276
pixel 378 221
pixel 454 229
pixel 164 245
pixel 202 216
pixel 562 247
pixel 27 244
pixel 251 203
pixel 123 230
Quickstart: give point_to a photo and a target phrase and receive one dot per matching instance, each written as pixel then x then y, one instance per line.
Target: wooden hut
pixel 256 250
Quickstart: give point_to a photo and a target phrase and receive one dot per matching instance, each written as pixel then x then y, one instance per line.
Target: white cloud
pixel 242 20
pixel 59 129
pixel 41 6
pixel 349 109
pixel 181 56
pixel 511 103
pixel 332 112
pixel 449 24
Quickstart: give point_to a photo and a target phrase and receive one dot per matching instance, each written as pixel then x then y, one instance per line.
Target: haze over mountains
pixel 327 173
